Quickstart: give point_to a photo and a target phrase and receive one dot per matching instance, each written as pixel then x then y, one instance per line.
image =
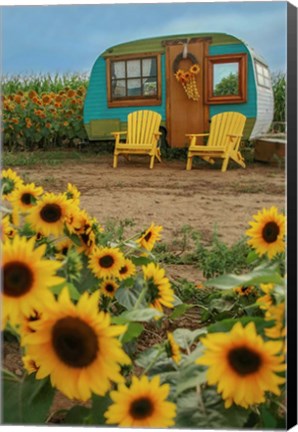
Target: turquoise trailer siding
pixel 249 109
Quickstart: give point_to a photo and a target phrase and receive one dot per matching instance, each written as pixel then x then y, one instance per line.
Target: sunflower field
pixel 80 300
pixel 42 112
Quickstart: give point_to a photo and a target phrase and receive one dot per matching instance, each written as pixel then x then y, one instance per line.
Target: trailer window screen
pixel 263 76
pixel 134 81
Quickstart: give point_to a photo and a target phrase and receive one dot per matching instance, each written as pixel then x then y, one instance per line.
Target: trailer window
pixel 226 79
pixel 134 81
pixel 263 75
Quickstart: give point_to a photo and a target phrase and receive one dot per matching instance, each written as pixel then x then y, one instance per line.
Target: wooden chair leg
pixel 158 155
pixel 152 161
pixel 115 162
pixel 225 164
pixel 189 163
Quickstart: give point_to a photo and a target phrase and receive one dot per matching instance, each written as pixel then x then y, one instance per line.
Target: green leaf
pixel 206 409
pixel 251 257
pixel 133 331
pixel 190 377
pixel 73 292
pixel 141 315
pixel 180 310
pixel 177 300
pixel 100 405
pixel 146 357
pixel 87 280
pixel 227 324
pixel 139 261
pixel 128 296
pixel 77 415
pixel 261 275
pixel 185 338
pixel 268 420
pixel 26 401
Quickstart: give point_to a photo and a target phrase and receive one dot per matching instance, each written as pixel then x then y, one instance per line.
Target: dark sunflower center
pixel 244 361
pixel 110 288
pixel 51 213
pixel 18 279
pixel 123 270
pixel 75 342
pixel 26 198
pixel 106 261
pixel 148 236
pixel 64 250
pixel 270 232
pixel 141 408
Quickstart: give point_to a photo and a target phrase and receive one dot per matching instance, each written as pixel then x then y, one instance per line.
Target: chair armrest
pixel 119 133
pixel 234 135
pixel 197 135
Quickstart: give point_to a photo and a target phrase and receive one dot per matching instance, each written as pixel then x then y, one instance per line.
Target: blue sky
pixel 69 38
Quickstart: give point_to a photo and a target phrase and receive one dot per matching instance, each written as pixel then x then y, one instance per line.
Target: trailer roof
pixel 156 43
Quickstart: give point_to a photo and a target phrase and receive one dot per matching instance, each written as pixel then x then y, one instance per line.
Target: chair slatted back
pixel 224 124
pixel 141 127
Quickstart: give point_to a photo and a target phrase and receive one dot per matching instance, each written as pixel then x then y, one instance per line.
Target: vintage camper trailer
pixel 186 78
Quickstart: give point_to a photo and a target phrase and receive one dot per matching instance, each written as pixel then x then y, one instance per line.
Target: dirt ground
pixel 168 195
pixel 203 198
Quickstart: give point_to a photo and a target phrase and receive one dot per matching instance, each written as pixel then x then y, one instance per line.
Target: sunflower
pixel 195 69
pixel 62 248
pixel 78 222
pixel 9 182
pixel 127 270
pixel 76 346
pixel 27 278
pixel 173 348
pixel 267 232
pixel 276 313
pixel 242 365
pixel 46 99
pixel 29 364
pixel 160 292
pixel 109 287
pixel 25 324
pixel 106 262
pixel 179 74
pixel 244 290
pixel 73 194
pixel 266 300
pixel 48 215
pixel 25 196
pixel 7 230
pixel 149 237
pixel 143 404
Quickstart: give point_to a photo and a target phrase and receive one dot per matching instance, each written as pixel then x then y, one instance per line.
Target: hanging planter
pixel 187 78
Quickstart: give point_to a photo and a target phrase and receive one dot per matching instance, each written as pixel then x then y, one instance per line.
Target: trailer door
pixel 185 115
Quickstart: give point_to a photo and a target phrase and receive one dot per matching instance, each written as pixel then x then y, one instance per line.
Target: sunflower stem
pixel 153 361
pixel 201 402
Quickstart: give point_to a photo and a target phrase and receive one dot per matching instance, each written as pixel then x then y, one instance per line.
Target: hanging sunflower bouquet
pixel 78 300
pixel 188 81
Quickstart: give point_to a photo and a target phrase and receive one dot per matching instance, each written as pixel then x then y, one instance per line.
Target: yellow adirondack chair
pixel 225 135
pixel 141 136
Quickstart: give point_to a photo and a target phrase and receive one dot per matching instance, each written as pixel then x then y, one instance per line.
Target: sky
pixel 69 38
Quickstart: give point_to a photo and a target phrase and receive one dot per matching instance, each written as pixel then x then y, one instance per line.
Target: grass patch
pixel 48 158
